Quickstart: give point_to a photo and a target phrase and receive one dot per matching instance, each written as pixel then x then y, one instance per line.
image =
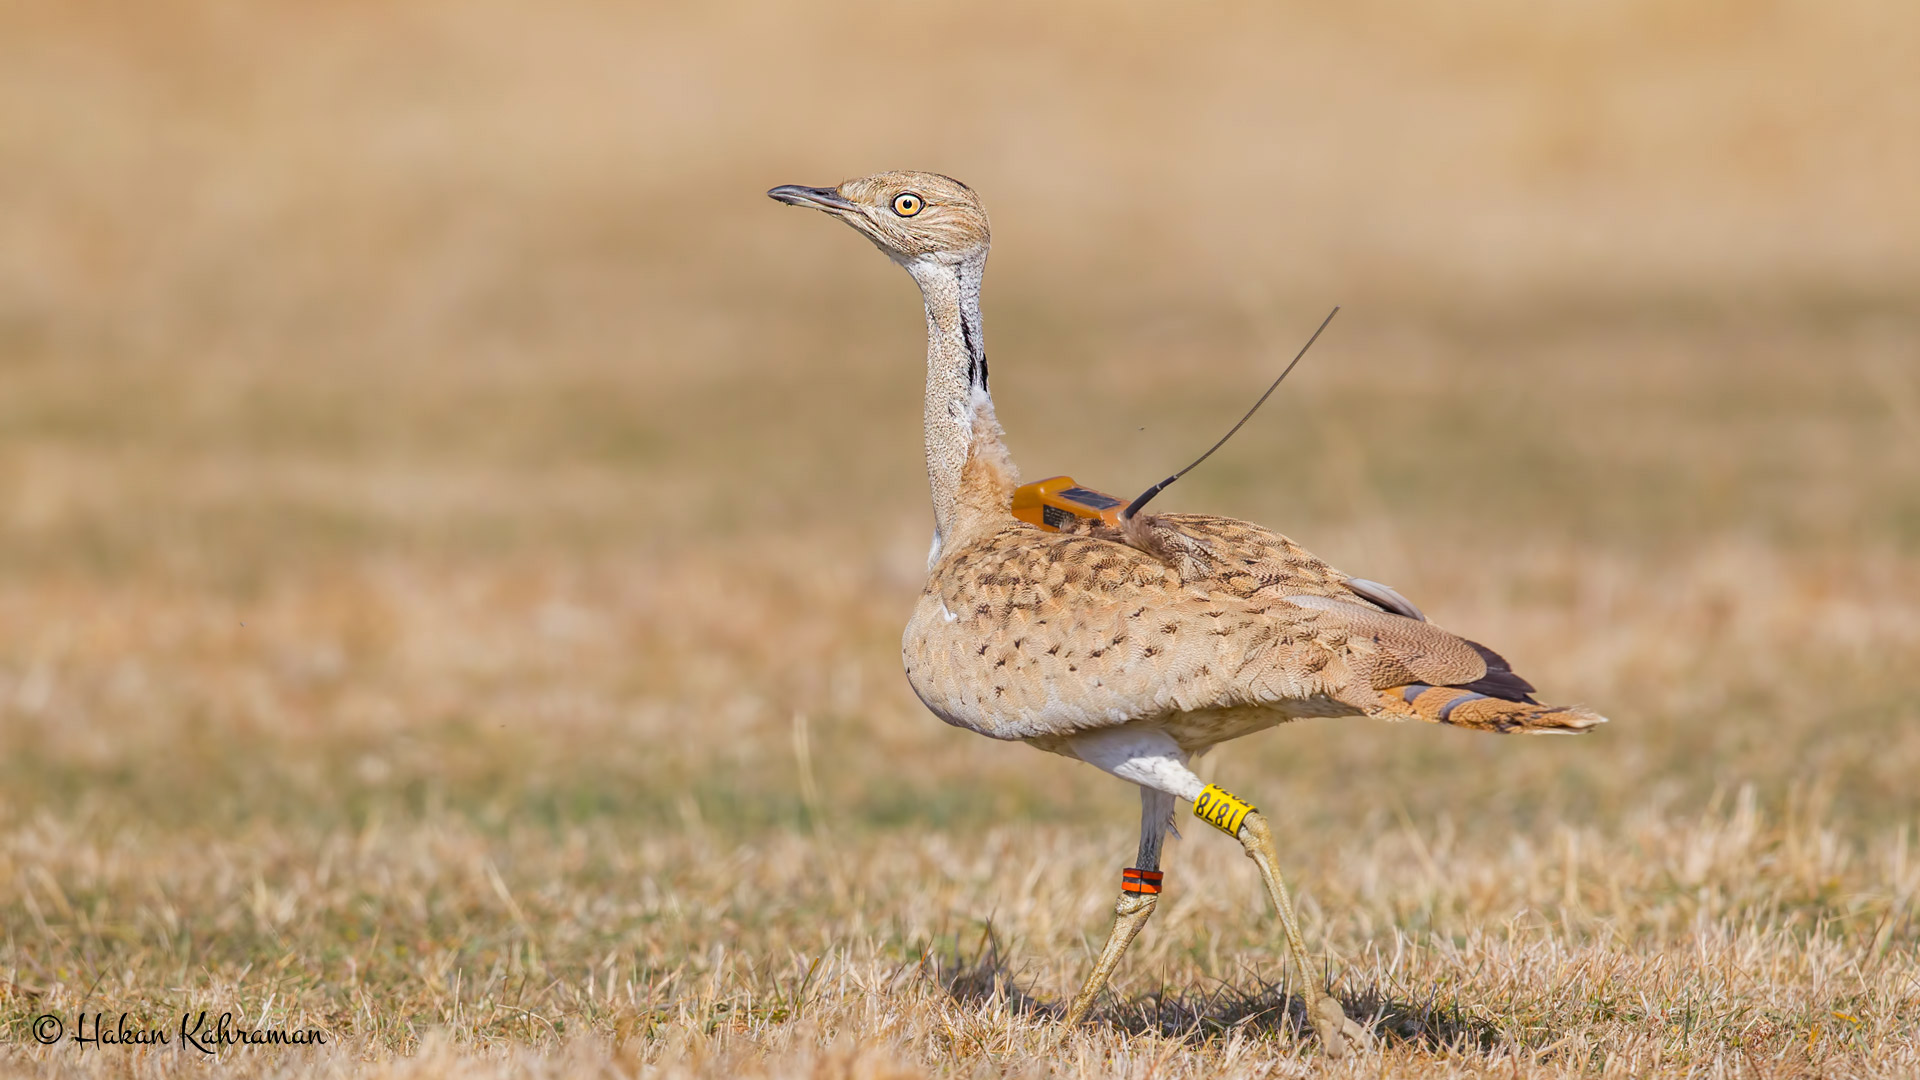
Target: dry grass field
pixel 455 531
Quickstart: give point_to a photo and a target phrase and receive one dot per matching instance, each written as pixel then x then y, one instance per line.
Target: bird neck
pixel 971 475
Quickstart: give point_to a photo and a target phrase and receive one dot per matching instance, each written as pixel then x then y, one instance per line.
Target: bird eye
pixel 906 204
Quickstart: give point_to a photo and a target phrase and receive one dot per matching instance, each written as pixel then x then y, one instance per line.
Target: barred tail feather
pixel 1462 707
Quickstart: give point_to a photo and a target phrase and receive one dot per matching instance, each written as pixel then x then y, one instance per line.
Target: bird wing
pixel 1390 641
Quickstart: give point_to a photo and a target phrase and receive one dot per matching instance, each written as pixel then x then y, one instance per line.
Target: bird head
pixel 909 215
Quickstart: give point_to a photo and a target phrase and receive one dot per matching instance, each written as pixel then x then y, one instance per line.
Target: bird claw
pixel 1338 1034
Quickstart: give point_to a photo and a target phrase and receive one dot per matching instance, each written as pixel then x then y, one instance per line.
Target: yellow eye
pixel 906 204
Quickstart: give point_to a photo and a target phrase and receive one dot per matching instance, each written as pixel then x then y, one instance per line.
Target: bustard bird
pixel 1137 648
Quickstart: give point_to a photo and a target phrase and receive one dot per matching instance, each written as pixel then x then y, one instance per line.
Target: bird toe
pixel 1339 1034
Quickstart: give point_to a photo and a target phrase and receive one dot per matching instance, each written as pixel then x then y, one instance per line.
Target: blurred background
pixel 418 409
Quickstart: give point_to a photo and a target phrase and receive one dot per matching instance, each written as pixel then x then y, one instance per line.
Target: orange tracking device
pixel 1056 501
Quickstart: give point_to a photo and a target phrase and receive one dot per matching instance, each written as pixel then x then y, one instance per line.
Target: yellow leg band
pixel 1222 809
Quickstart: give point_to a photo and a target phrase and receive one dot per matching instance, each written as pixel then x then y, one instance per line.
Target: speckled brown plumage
pixel 1223 629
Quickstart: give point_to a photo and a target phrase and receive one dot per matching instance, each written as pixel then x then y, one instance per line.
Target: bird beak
pixel 820 198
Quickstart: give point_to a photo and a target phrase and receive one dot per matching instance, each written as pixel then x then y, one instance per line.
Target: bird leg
pixel 1150 758
pixel 1239 819
pixel 1129 915
pixel 1139 892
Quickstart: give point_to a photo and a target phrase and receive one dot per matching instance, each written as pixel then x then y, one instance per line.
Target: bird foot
pixel 1338 1034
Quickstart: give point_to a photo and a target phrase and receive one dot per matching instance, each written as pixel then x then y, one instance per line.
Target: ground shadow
pixel 1255 1007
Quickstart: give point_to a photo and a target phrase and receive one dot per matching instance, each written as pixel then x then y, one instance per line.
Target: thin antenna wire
pixel 1146 496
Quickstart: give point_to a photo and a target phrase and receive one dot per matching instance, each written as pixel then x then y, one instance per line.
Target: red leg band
pixel 1140 882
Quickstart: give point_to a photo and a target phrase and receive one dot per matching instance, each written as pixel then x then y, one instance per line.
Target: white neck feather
pixel 956 380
